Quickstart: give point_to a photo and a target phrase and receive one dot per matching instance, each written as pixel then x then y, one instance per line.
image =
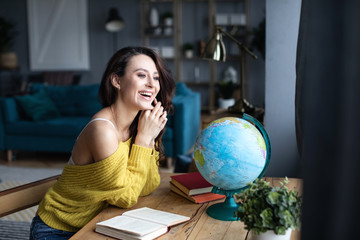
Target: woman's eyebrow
pixel 145 70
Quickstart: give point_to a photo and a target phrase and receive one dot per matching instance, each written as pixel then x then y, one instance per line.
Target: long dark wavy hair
pixel 117 65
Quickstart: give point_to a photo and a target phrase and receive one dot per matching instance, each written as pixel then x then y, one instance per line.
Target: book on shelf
pixel 200 198
pixel 191 183
pixel 143 223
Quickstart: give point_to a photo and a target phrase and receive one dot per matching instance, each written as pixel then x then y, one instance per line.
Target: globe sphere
pixel 230 152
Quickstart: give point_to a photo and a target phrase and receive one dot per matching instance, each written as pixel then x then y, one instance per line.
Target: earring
pixel 119 87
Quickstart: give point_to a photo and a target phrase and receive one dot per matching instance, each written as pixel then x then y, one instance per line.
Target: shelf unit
pixel 198 25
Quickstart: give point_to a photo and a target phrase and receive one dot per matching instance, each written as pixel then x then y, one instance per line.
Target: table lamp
pixel 114 23
pixel 215 50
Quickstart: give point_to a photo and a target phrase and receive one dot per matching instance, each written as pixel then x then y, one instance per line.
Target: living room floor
pixel 36 159
pixel 45 160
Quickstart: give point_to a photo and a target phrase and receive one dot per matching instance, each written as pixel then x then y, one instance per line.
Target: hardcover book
pixel 143 223
pixel 200 198
pixel 191 183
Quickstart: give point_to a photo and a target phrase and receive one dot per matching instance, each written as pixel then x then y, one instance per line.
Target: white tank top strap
pixel 101 119
pixel 71 161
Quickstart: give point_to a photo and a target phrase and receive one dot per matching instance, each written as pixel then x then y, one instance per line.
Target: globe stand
pixel 224 211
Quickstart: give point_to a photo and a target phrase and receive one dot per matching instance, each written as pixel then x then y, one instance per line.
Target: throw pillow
pixel 38 106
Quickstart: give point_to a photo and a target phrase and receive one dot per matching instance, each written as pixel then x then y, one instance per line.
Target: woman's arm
pixel 153 176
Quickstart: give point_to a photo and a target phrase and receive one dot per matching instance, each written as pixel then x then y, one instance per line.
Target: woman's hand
pixel 151 122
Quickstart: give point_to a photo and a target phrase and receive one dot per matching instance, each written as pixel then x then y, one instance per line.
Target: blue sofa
pixel 28 127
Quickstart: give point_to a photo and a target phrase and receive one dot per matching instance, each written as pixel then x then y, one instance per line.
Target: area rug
pixel 10 230
pixel 17 225
pixel 26 174
pixel 16 176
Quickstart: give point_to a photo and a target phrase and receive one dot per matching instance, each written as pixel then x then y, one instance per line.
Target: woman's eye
pixel 157 78
pixel 141 75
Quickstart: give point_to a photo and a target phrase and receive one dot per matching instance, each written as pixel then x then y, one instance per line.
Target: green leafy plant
pixel 167 15
pixel 226 89
pixel 188 46
pixel 7 35
pixel 266 208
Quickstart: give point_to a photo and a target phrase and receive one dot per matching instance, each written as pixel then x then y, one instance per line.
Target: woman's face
pixel 140 84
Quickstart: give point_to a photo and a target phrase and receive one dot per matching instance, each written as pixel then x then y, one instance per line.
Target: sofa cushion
pixel 38 106
pixel 79 100
pixel 9 107
pixel 60 127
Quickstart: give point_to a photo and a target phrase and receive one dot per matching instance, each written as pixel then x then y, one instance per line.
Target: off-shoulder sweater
pixel 83 191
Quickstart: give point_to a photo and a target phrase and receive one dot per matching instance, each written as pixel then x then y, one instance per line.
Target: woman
pixel 115 158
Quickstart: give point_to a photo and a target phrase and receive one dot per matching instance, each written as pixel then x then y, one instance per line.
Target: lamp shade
pixel 215 48
pixel 114 23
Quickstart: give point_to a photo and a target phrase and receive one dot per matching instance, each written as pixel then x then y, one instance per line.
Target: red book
pixel 191 183
pixel 200 198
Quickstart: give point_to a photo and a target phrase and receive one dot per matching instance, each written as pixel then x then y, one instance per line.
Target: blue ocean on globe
pixel 230 152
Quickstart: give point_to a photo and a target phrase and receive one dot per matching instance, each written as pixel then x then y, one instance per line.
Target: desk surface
pixel 201 226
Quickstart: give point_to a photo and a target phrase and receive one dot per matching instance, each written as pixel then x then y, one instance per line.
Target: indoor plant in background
pixel 8 59
pixel 188 50
pixel 227 88
pixel 168 21
pixel 269 213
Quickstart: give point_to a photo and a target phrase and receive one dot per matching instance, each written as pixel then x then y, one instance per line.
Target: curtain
pixel 327 106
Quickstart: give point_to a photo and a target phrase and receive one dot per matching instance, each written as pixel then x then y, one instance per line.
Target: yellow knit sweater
pixel 83 191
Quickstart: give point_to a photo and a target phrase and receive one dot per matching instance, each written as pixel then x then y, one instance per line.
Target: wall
pixel 282 24
pixel 102 43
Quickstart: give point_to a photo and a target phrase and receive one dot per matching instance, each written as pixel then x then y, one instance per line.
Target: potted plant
pixel 269 211
pixel 168 18
pixel 8 59
pixel 227 88
pixel 188 50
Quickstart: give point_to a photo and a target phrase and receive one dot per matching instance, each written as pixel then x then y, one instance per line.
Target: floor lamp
pixel 215 50
pixel 114 24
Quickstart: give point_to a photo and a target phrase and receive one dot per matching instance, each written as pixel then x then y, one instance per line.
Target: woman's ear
pixel 115 81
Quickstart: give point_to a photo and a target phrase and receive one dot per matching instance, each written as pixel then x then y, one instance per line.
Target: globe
pixel 229 153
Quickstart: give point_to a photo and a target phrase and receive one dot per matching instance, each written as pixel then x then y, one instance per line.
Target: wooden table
pixel 201 226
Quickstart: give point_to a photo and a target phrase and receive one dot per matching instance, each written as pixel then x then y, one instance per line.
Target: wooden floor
pixel 36 159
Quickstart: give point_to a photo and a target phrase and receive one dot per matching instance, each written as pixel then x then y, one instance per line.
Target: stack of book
pixel 193 187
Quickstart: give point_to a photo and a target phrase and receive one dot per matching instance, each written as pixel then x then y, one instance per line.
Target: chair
pixel 24 196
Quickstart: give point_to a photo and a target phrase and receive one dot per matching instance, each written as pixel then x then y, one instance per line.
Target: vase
pixel 154 17
pixel 226 103
pixel 8 60
pixel 270 235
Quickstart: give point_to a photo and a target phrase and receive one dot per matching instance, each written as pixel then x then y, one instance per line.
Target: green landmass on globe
pixel 230 152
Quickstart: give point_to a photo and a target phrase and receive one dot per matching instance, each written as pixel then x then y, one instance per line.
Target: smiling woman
pixel 115 158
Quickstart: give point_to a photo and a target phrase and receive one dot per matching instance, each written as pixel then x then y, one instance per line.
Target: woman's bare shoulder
pixel 101 139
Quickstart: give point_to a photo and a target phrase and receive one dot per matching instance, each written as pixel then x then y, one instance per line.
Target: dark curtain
pixel 328 116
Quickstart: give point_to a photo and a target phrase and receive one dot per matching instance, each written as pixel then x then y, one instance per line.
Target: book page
pixel 131 225
pixel 157 216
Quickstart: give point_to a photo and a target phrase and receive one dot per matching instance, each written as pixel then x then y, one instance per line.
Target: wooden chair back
pixel 24 196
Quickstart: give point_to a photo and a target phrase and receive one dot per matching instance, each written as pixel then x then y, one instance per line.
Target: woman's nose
pixel 150 82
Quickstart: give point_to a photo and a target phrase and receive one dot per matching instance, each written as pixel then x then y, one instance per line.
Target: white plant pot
pixel 270 235
pixel 168 22
pixel 226 103
pixel 189 53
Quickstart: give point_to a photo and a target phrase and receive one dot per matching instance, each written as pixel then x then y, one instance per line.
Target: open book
pixel 143 223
